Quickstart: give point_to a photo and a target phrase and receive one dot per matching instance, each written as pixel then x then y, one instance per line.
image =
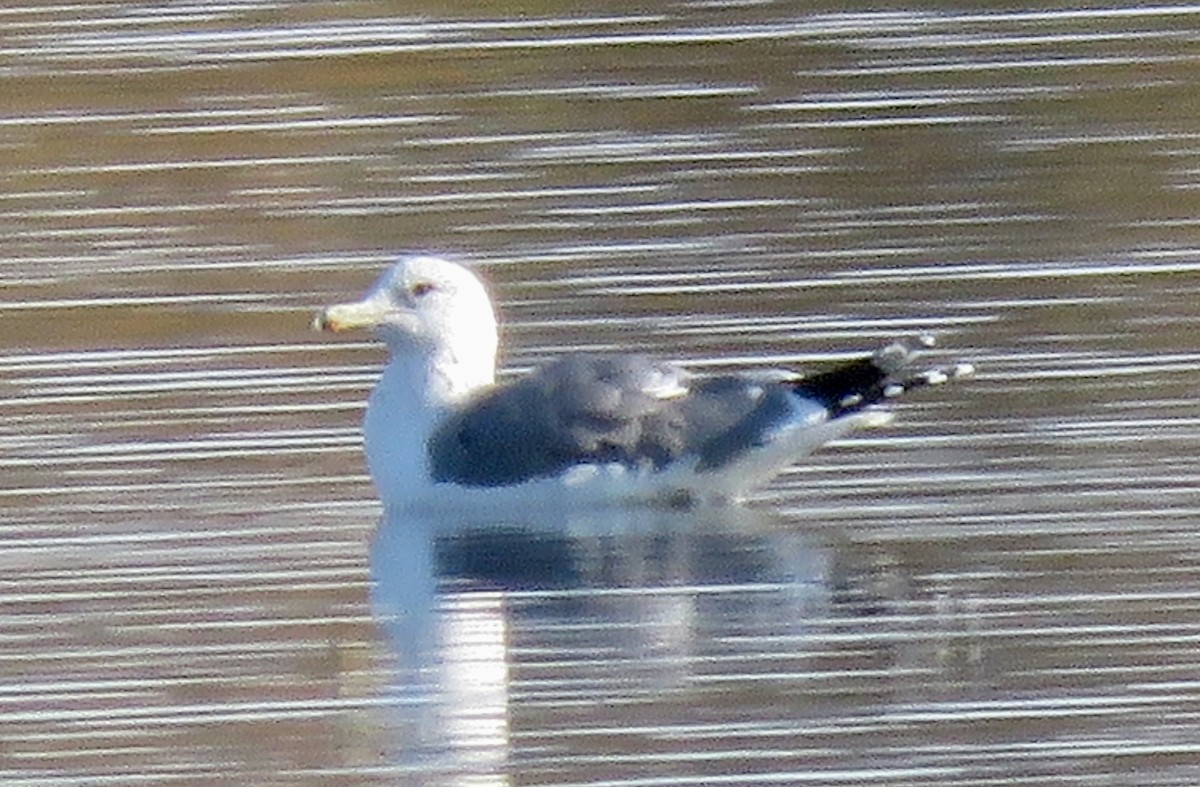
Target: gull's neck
pixel 413 394
pixel 451 376
pixel 435 381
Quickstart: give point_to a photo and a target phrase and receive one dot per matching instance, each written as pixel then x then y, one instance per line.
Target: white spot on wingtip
pixel 963 370
pixel 893 390
pixel 935 377
pixel 579 474
pixel 851 400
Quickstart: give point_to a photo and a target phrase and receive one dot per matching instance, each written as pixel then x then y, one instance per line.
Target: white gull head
pixel 434 316
pixel 437 321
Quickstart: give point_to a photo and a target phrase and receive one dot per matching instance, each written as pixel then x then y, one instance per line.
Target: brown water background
pixel 1001 588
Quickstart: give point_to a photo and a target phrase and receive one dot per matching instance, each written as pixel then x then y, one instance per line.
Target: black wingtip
pixel 885 374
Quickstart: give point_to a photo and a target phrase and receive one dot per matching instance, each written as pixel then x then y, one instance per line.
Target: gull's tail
pixel 886 374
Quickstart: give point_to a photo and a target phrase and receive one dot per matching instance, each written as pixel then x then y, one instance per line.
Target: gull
pixel 588 429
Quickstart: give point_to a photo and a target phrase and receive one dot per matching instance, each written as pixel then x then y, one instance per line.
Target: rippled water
pixel 998 589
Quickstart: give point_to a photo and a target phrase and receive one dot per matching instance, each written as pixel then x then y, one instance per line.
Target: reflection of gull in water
pixel 448 694
pixel 587 429
pixel 487 620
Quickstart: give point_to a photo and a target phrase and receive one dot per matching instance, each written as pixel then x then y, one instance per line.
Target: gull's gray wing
pixel 599 409
pixel 630 410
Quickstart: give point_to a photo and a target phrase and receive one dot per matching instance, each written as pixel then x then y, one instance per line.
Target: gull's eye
pixel 421 289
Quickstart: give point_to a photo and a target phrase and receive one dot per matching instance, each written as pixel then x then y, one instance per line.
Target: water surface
pixel 998 589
